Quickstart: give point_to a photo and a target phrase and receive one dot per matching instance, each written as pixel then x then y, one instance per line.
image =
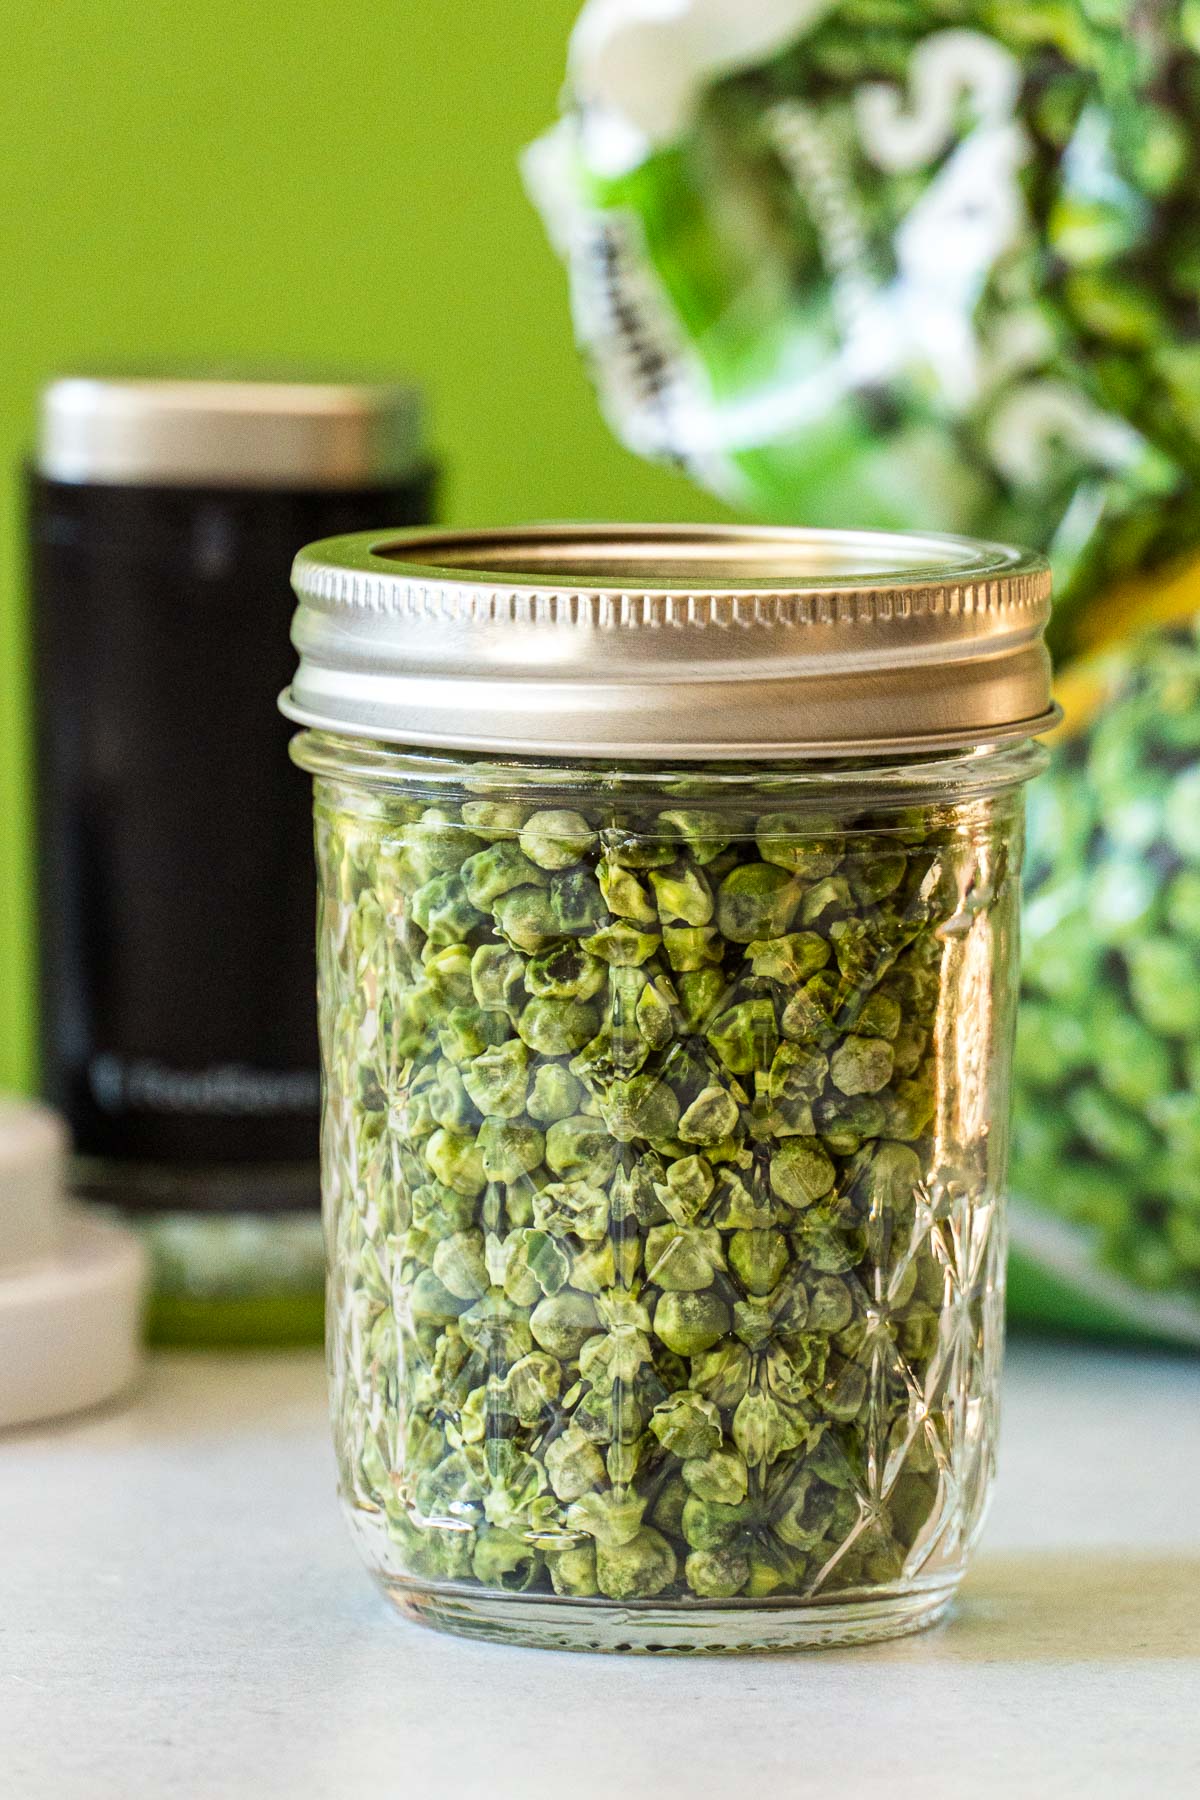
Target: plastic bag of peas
pixel 897 262
pixel 936 263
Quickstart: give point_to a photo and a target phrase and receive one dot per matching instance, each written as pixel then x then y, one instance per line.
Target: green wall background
pixel 289 180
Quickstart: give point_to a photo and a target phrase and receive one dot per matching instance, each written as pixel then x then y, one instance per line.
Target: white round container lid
pixel 123 430
pixel 70 1283
pixel 33 1147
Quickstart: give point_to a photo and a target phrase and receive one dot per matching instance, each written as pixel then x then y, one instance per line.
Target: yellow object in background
pixel 1162 597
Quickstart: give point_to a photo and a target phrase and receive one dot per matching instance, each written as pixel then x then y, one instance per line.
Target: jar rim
pixel 888 781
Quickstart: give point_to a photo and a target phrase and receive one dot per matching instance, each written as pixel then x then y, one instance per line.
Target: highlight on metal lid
pixel 652 641
pixel 176 432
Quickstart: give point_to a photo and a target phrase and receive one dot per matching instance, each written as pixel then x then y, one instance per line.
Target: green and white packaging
pixel 897 262
pixel 936 263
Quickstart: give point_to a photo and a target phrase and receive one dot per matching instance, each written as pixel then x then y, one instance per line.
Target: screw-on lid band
pixel 659 641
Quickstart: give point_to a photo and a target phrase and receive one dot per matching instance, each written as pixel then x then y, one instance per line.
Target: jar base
pixel 598 1625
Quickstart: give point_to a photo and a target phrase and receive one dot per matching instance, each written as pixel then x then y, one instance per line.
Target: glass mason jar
pixel 667 964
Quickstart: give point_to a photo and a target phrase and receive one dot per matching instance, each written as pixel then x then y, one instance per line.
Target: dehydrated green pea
pixel 654 1015
pixel 825 902
pixel 509 1149
pixel 879 1016
pixel 683 1258
pixel 700 994
pixel 830 1306
pixel 908 1108
pixel 756 900
pixel 467 1031
pixel 713 1115
pixel 441 1209
pixel 504 1560
pixel 624 894
pixel 908 1047
pixel 496 1081
pixel 690 947
pixel 687 1425
pixel 642 1107
pixel 576 903
pixel 636 849
pixel 594 1266
pixel 573 1572
pixel 457 1161
pixel 716 1574
pixel 494 818
pixel 622 945
pixel 573 1464
pixel 744 1036
pixel 806 846
pixel 565 972
pixel 791 959
pixel 562 1323
pixel 531 1386
pixel 498 978
pixel 797 1071
pixel 801 1172
pixel 448 974
pixel 575 1207
pixel 721 1475
pixel 861 1065
pixel 447 1099
pixel 700 831
pixel 459 1265
pixel 580 1146
pixel 843 1123
pixel 689 1323
pixel 528 1264
pixel 758 1259
pixel 430 1302
pixel 556 1027
pixel 496 870
pixel 556 838
pixel 637 1570
pixel 443 911
pixel 554 1095
pixel 766 1426
pixel 682 894
pixel 525 918
pixel 809 1014
pixel 713 1524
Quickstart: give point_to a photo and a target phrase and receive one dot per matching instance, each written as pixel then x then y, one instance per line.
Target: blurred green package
pixel 1105 1170
pixel 897 262
pixel 936 263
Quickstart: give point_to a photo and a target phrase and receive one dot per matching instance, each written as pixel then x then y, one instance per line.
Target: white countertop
pixel 182 1615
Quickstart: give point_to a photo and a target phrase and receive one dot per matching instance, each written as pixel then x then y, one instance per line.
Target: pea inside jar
pixel 663 1163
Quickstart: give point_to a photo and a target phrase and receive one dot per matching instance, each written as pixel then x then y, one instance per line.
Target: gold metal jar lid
pixel 657 641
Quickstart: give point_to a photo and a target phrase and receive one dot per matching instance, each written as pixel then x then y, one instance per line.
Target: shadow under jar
pixel 667 962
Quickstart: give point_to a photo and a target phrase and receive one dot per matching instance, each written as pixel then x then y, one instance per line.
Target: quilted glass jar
pixel 666 1091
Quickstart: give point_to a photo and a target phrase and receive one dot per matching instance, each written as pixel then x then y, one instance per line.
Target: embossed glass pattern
pixel 663 1156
